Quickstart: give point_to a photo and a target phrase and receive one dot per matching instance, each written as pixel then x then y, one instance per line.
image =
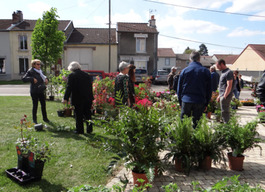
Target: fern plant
pixel 180 142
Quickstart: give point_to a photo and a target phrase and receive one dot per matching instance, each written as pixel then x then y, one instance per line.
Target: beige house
pixel 251 61
pixel 90 47
pixel 15 41
pixel 166 59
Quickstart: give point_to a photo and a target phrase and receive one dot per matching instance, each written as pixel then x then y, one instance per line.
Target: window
pixel 140 45
pixel 23 43
pixel 167 62
pixel 23 65
pixel 2 66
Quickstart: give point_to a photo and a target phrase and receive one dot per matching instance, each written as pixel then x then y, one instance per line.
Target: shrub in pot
pixel 141 135
pixel 239 138
pixel 32 154
pixel 209 144
pixel 180 143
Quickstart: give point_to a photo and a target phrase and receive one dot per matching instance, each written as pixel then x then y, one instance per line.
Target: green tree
pixel 203 50
pixel 188 50
pixel 47 40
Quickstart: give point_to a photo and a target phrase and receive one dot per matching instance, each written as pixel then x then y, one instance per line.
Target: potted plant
pixel 180 144
pixel 239 138
pixel 32 154
pixel 209 144
pixel 141 137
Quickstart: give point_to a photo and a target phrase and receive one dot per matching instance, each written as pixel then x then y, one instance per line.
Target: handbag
pixel 41 88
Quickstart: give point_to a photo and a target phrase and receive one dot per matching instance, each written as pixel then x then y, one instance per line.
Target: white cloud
pixel 240 32
pixel 246 6
pixel 258 18
pixel 182 26
pixel 82 3
pixel 39 7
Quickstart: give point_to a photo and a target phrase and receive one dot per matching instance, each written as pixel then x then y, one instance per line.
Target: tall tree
pixel 203 50
pixel 47 40
pixel 188 50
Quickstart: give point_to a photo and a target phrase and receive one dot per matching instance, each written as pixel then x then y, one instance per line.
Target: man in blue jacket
pixel 194 89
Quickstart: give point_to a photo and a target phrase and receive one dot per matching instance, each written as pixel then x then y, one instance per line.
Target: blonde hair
pixel 34 61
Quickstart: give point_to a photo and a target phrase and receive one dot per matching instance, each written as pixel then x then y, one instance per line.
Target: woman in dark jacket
pixel 37 88
pixel 131 82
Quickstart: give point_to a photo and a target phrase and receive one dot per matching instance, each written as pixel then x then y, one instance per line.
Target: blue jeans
pixel 236 93
pixel 193 110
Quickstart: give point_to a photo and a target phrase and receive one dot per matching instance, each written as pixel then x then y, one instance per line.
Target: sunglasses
pixel 37 64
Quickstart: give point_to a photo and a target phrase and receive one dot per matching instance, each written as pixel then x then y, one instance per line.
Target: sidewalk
pixel 253 173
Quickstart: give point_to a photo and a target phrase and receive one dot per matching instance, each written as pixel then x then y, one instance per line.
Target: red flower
pixel 144 102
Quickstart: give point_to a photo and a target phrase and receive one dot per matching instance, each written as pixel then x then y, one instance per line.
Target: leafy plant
pixel 261 117
pixel 142 136
pixel 208 142
pixel 240 137
pixel 180 142
pixel 228 184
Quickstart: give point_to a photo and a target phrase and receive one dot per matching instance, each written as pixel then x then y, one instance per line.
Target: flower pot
pixel 178 165
pixel 36 169
pixel 68 112
pixel 206 164
pixel 60 113
pixel 137 176
pixel 22 161
pixel 51 98
pixel 235 163
pixel 209 114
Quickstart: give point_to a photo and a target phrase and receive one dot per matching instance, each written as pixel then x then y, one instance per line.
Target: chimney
pixel 17 17
pixel 152 22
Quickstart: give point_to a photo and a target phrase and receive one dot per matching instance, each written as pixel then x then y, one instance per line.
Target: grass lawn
pixel 13 82
pixel 89 161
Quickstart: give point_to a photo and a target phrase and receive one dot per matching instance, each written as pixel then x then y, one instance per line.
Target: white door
pixel 82 55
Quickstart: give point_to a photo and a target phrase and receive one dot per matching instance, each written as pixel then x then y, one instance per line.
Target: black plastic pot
pixel 60 113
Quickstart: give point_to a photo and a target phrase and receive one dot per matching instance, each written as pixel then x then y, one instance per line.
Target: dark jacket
pixel 215 77
pixel 170 80
pixel 194 84
pixel 260 91
pixel 79 87
pixel 175 83
pixel 38 87
pixel 121 89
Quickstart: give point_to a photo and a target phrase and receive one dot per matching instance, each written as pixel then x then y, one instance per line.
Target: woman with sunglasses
pixel 37 89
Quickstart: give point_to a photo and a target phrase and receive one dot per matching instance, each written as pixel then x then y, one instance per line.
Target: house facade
pixel 90 47
pixel 251 61
pixel 166 59
pixel 137 43
pixel 15 41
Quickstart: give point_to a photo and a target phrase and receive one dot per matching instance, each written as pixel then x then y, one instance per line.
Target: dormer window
pixel 23 42
pixel 140 42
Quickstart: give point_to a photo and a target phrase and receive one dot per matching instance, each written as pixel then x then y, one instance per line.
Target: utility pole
pixel 109 35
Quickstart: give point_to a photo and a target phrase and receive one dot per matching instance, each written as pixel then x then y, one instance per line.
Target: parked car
pixel 160 76
pixel 95 73
pixel 140 74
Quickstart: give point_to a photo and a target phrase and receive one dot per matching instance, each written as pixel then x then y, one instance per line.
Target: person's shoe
pixel 46 120
pixel 35 121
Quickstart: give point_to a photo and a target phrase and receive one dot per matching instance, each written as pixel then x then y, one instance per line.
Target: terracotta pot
pixel 235 163
pixel 178 165
pixel 206 164
pixel 137 176
pixel 68 112
pixel 209 114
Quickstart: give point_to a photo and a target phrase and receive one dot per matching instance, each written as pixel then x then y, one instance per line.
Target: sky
pixel 180 23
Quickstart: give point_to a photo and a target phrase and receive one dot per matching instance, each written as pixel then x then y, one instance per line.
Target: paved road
pixel 14 90
pixel 23 90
